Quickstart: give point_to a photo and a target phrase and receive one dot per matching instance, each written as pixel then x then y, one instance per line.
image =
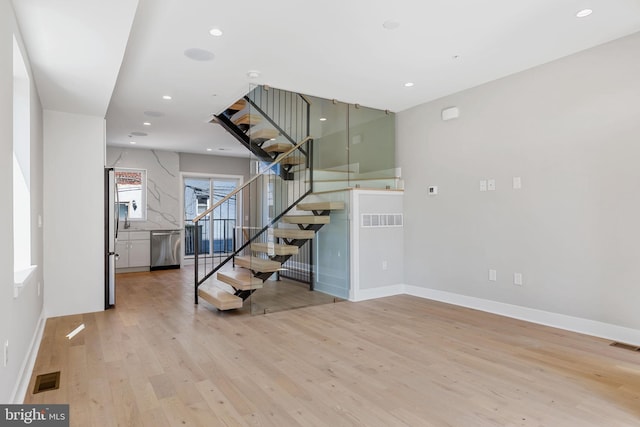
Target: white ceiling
pixel 75 48
pixel 332 49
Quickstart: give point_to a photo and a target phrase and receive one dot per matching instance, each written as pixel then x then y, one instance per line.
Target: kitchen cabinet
pixel 133 249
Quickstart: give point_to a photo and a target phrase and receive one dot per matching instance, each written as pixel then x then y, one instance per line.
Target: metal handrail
pixel 237 190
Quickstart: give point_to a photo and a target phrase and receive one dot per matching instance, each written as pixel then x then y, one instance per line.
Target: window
pixel 21 169
pixel 132 194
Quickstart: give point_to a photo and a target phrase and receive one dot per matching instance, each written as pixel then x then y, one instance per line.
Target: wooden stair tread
pixel 279 147
pixel 220 298
pixel 240 279
pixel 278 249
pixel 293 233
pixel 321 206
pixel 258 264
pixel 307 219
pixel 263 134
pixel 291 160
pixel 248 119
pixel 238 105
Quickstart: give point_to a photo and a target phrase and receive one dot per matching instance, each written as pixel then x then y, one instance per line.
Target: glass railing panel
pixel 331 250
pixel 329 126
pixel 371 148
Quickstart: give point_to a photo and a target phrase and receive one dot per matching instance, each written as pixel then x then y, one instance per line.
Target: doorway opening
pixel 201 193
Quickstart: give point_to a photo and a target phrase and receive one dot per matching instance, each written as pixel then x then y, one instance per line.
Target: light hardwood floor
pixel 159 360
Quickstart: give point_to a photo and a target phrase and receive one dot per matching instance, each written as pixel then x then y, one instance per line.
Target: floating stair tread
pixel 291 160
pixel 279 147
pixel 263 134
pixel 307 219
pixel 321 206
pixel 278 249
pixel 258 264
pixel 220 298
pixel 248 119
pixel 238 105
pixel 240 279
pixel 293 233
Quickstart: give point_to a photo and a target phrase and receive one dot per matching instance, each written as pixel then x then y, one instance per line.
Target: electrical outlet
pixel 517 279
pixel 517 183
pixel 493 275
pixel 384 265
pixel 6 353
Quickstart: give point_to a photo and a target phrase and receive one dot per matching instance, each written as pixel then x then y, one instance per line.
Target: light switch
pixel 493 275
pixel 483 185
pixel 433 190
pixel 517 279
pixel 517 183
pixel 491 185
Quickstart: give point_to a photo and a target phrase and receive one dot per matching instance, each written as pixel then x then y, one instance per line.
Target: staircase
pixel 273 124
pixel 268 122
pixel 251 271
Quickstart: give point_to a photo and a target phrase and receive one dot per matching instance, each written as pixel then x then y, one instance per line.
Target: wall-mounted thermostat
pixel 433 190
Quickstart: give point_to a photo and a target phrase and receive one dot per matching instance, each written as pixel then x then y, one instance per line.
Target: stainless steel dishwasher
pixel 165 249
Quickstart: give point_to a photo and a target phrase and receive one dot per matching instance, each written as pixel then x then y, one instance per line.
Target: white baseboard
pixel 24 377
pixel 541 317
pixel 561 321
pixel 386 291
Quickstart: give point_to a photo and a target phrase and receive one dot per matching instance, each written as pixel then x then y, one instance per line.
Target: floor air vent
pixel 46 382
pixel 625 346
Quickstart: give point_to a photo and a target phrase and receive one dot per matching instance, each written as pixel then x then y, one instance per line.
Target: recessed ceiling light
pixel 147 123
pixel 216 32
pixel 272 139
pixel 584 12
pixel 199 54
pixel 166 97
pixel 209 149
pixel 132 142
pixel 253 74
pixel 391 24
pixel 408 84
pixel 323 119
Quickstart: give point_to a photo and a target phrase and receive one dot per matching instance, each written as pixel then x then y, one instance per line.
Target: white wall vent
pixel 370 220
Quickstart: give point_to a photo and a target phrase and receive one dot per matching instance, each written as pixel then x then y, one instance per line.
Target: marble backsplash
pixel 163 184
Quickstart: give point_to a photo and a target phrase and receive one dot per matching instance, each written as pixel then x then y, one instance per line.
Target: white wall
pixel 378 252
pixel 570 129
pixel 73 226
pixel 20 318
pixel 216 165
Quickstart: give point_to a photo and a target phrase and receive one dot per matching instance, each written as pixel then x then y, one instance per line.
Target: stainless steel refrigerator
pixel 111 234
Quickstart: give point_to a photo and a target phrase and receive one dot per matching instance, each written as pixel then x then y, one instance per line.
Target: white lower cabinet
pixel 133 249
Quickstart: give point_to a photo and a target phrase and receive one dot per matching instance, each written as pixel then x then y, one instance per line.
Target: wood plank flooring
pixel 159 360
